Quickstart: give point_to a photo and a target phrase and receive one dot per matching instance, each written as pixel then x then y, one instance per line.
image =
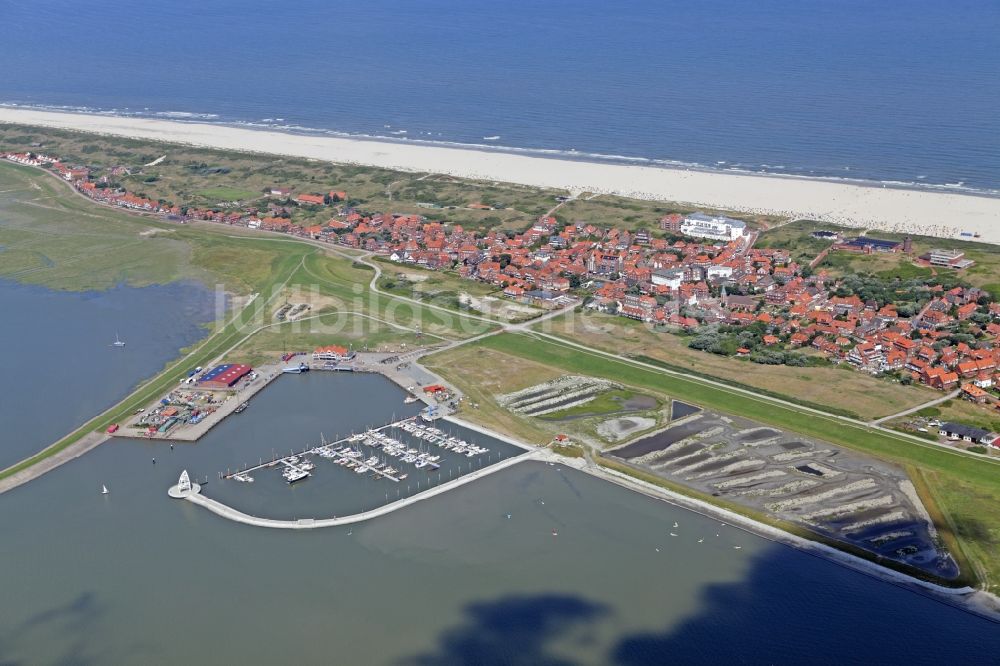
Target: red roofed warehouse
pixel 225 376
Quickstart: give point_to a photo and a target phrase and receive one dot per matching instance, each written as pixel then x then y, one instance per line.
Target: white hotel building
pixel 715 227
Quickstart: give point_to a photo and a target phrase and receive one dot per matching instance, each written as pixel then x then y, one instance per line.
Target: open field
pixel 796 238
pixel 448 290
pixel 825 387
pixel 956 409
pixel 223 193
pixel 481 375
pixel 346 329
pixel 485 376
pixel 347 281
pixel 58 240
pixel 54 238
pixel 972 522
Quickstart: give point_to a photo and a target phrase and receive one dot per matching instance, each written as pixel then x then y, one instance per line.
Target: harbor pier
pixel 229 513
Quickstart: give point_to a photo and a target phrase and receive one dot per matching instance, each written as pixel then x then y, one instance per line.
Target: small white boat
pixel 104 490
pixel 118 341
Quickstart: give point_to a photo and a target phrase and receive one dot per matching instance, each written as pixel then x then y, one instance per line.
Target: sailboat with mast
pixel 118 341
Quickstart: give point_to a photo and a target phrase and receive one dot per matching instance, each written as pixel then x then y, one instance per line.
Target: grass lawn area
pixel 54 238
pixel 609 402
pixel 568 450
pixel 226 194
pixel 884 265
pixel 57 239
pixel 482 374
pixel 448 290
pixel 342 328
pixel 417 282
pixel 796 238
pixel 973 522
pixel 829 387
pixel 348 281
pixel 969 413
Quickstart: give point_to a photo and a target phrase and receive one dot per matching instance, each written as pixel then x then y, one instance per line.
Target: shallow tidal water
pixel 134 577
pixel 59 368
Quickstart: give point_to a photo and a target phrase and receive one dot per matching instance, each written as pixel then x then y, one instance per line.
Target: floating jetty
pixel 349 453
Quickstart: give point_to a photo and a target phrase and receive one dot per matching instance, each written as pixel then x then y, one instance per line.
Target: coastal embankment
pixel 869 205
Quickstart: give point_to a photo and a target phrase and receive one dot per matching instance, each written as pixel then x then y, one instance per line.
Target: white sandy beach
pixel 931 213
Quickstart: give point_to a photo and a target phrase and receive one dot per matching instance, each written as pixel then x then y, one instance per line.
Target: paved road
pixel 911 410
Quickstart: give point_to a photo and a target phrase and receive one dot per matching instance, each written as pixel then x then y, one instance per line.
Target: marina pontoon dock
pixel 348 452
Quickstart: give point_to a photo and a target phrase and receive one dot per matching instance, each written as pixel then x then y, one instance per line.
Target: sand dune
pixel 934 213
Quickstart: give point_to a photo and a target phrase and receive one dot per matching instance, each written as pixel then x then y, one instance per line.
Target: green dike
pixel 762 409
pixel 773 394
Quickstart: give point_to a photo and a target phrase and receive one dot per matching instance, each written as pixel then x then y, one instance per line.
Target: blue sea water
pixel 884 91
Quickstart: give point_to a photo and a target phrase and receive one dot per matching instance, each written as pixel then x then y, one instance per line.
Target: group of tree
pixel 728 340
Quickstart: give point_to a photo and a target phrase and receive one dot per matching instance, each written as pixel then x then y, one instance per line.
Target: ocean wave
pixel 399 136
pixel 182 115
